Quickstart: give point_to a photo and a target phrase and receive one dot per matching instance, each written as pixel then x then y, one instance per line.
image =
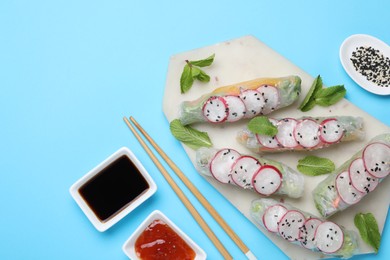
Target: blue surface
pixel 70 70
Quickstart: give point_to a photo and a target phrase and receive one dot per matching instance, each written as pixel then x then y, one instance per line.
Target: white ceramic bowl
pixel 103 226
pixel 348 46
pixel 129 248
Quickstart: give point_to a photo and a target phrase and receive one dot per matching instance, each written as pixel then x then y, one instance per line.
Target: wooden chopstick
pixel 202 223
pixel 197 194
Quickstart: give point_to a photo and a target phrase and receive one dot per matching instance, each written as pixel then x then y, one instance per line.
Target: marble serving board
pixel 248 58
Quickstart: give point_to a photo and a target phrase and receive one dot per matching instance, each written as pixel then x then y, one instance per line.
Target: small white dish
pixel 129 246
pixel 348 46
pixel 121 213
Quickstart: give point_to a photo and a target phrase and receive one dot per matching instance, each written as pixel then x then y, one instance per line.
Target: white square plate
pixel 129 248
pixel 103 226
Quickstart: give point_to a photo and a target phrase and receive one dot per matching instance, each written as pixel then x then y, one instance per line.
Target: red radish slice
pixel 243 170
pixel 236 108
pixel 360 178
pixel 221 164
pixel 266 140
pixel 285 135
pixel 307 232
pixel 346 191
pixel 272 217
pixel 329 237
pixel 267 180
pixel 307 133
pixel 376 157
pixel 331 131
pixel 290 224
pixel 271 98
pixel 254 102
pixel 215 110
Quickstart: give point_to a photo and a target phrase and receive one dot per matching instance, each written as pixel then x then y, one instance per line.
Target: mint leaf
pixel 195 71
pixel 261 125
pixel 318 95
pixel 191 71
pixel 309 105
pixel 203 63
pixel 309 101
pixel 186 79
pixel 368 229
pixel 314 166
pixel 189 136
pixel 202 76
pixel 331 95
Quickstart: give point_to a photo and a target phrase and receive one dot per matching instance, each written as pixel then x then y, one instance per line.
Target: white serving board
pixel 247 58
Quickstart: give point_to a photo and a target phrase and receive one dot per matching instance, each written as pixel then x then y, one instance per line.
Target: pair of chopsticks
pixel 194 191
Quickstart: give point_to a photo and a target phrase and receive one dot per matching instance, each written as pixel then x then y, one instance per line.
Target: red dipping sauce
pixel 159 241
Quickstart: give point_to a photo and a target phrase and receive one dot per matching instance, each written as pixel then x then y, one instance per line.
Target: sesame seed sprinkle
pixel 372 64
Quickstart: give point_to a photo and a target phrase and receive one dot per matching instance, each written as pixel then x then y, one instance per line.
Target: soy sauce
pixel 115 187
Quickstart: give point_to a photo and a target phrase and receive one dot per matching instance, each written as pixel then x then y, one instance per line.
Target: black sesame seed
pixel 372 64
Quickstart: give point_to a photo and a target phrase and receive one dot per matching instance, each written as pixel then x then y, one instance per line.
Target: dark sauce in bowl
pixel 114 188
pixel 160 241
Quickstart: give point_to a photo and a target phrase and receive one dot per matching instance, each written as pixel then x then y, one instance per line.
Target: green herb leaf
pixel 202 76
pixel 186 79
pixel 314 166
pixel 195 71
pixel 368 229
pixel 203 63
pixel 331 95
pixel 309 101
pixel 189 136
pixel 261 125
pixel 309 105
pixel 318 95
pixel 191 71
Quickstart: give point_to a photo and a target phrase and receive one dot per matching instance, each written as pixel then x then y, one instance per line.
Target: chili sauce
pixel 160 242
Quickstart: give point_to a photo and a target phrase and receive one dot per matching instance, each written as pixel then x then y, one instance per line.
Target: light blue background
pixel 70 70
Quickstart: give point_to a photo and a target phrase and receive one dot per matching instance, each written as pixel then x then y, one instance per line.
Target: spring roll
pixel 242 100
pixel 266 177
pixel 302 134
pixel 304 229
pixel 357 177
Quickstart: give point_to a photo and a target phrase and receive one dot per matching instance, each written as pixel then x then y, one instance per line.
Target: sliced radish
pixel 236 108
pixel 329 237
pixel 290 225
pixel 346 191
pixel 272 216
pixel 307 232
pixel 254 102
pixel 376 157
pixel 215 110
pixel 331 131
pixel 267 180
pixel 285 135
pixel 243 170
pixel 271 98
pixel 360 178
pixel 221 164
pixel 266 140
pixel 307 133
